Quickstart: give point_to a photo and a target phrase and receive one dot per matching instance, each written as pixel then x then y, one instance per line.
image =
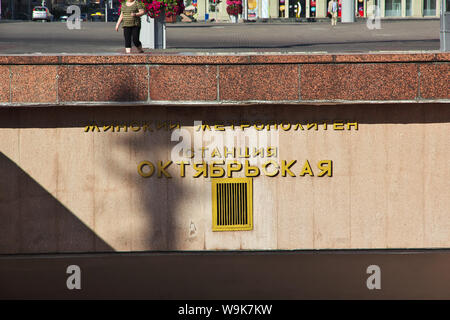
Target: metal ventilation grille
pixel 232 204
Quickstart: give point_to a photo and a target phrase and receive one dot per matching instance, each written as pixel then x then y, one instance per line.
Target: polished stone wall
pixel 67 190
pixel 224 79
pixel 64 189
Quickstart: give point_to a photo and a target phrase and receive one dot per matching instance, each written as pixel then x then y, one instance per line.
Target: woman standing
pixel 333 8
pixel 130 14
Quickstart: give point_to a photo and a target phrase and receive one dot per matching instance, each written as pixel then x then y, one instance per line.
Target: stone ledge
pixel 225 79
pixel 225 58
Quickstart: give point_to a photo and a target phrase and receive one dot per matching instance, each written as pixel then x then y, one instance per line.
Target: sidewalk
pixel 273 20
pixel 94 37
pixel 309 20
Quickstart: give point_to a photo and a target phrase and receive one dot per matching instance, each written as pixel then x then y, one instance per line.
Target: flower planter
pixel 171 19
pixel 153 32
pixel 234 9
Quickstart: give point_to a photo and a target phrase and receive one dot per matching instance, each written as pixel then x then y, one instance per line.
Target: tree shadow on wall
pixel 169 203
pixel 34 221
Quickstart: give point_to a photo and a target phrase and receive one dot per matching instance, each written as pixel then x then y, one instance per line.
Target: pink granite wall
pixel 224 79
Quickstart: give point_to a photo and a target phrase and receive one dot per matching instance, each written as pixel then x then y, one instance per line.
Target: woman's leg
pixel 137 43
pixel 127 34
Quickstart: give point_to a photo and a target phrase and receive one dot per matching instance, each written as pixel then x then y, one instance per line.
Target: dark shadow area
pixel 34 221
pixel 81 116
pixel 328 274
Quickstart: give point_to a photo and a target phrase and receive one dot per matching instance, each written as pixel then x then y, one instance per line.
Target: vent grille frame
pixel 229 215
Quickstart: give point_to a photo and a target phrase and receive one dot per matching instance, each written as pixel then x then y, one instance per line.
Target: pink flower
pixel 154 8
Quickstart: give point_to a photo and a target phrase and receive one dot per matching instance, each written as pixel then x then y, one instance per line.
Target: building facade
pixel 270 9
pixel 264 9
pixel 260 176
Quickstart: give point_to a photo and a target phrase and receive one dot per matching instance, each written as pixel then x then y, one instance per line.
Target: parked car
pixel 83 17
pixel 63 18
pixel 97 16
pixel 41 13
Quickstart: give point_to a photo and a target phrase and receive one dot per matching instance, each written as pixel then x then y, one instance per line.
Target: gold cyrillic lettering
pixel 257 152
pixel 203 151
pixel 182 165
pixel 192 153
pixel 338 126
pixel 217 172
pixel 306 169
pixel 146 127
pixel 160 125
pixel 201 168
pixel 259 127
pixel 215 153
pixel 285 168
pixel 245 155
pixel 122 126
pixel 328 169
pixel 271 152
pixel 232 153
pixel 266 164
pixel 174 126
pixel 162 169
pixel 250 171
pixel 92 128
pixel 135 127
pixel 231 169
pixel 352 124
pixel 141 169
pixel 245 125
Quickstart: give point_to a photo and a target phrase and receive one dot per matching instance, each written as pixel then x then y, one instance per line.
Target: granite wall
pixel 224 79
pixel 67 190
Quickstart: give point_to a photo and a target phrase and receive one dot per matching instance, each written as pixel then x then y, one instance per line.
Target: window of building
pixel 360 8
pixel 429 7
pixel 282 7
pixel 409 8
pixel 393 8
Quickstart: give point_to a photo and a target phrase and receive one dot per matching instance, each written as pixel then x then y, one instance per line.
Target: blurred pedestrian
pixel 333 10
pixel 130 13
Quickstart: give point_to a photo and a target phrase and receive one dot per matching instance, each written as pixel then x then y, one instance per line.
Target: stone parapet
pixel 212 79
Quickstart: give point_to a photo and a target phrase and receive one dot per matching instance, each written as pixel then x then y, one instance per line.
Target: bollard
pixel 153 32
pixel 348 11
pixel 445 26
